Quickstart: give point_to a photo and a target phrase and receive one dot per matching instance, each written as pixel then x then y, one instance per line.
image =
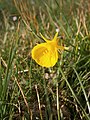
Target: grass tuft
pixel 29 91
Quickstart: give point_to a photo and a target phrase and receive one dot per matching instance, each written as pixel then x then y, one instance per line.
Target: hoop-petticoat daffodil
pixel 46 54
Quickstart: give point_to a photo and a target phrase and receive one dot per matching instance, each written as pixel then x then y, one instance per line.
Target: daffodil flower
pixel 46 54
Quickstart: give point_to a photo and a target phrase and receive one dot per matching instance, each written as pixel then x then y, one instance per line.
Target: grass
pixel 29 91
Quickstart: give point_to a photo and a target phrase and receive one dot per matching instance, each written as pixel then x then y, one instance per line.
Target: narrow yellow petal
pixel 44 38
pixel 66 48
pixel 55 37
pixel 61 48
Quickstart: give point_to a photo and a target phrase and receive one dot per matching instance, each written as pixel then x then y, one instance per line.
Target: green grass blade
pixel 87 117
pixel 85 95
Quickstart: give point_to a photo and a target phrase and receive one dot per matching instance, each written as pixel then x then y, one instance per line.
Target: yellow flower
pixel 46 54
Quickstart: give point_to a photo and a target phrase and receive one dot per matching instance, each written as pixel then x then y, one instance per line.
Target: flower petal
pixel 44 38
pixel 55 37
pixel 61 48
